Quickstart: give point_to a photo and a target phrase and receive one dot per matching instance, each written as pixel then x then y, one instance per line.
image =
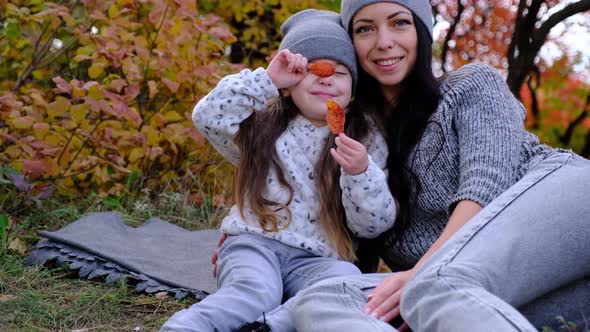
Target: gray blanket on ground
pixel 158 255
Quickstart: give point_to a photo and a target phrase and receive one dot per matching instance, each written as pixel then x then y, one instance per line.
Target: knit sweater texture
pixel 474 147
pixel 368 204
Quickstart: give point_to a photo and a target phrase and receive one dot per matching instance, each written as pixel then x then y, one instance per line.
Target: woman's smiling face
pixel 386 41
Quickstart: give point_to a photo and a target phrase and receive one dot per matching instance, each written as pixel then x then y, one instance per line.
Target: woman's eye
pixel 362 29
pixel 402 22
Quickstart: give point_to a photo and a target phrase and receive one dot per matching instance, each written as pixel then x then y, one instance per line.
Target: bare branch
pixel 540 35
pixel 527 41
pixel 569 132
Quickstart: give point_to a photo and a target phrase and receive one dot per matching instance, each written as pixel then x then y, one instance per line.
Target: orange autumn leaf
pixel 335 117
pixel 322 69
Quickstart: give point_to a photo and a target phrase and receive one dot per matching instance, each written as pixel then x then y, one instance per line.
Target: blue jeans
pixel 526 247
pixel 255 274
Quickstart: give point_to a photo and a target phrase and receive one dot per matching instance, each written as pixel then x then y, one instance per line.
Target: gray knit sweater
pixel 474 147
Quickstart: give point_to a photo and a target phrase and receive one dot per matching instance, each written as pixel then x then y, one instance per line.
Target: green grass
pixel 54 298
pixel 39 299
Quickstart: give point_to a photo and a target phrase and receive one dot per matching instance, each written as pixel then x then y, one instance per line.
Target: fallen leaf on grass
pixel 161 295
pixel 17 245
pixel 6 298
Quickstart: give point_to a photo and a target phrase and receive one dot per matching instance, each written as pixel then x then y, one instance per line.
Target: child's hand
pixel 287 69
pixel 351 155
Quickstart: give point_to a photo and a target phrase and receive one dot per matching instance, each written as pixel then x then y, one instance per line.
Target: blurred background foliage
pixel 95 115
pixel 96 96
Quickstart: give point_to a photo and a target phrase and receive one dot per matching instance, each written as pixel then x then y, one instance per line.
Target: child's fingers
pixel 349 142
pixel 344 148
pixel 291 62
pixel 303 65
pixel 294 63
pixel 283 57
pixel 299 64
pixel 339 159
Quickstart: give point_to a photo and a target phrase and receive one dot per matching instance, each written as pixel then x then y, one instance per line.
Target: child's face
pixel 311 93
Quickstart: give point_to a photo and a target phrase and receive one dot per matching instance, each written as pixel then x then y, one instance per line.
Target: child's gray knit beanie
pixel 317 34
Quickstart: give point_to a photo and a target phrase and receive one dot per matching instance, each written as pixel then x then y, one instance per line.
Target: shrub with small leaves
pixel 95 91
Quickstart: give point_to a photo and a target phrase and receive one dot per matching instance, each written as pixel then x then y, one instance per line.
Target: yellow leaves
pixel 13 152
pixel 136 154
pixel 97 68
pixel 40 129
pixel 152 135
pixel 24 122
pixel 85 53
pixel 54 139
pixel 78 92
pixel 172 116
pixel 58 107
pixel 155 152
pixel 79 112
pixel 122 99
pixel 123 3
pixel 113 11
pixel 95 92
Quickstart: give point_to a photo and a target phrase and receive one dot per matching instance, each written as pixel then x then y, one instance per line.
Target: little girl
pixel 303 195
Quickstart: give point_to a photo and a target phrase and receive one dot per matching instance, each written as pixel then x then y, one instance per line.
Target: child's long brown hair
pixel 256 140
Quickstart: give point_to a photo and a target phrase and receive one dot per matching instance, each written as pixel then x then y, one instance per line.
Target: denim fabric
pixel 527 249
pixel 337 305
pixel 254 275
pixel 530 240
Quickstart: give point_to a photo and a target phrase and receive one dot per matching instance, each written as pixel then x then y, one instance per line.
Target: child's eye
pixel 341 73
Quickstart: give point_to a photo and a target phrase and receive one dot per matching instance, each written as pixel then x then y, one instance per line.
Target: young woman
pixel 490 219
pixel 303 194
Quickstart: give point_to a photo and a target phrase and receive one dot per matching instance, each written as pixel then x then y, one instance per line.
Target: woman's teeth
pixel 389 62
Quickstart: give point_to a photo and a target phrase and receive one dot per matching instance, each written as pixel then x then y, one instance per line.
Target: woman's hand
pixel 222 239
pixel 385 299
pixel 350 154
pixel 287 69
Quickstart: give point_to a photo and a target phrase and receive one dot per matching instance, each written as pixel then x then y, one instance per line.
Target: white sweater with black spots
pixel 369 206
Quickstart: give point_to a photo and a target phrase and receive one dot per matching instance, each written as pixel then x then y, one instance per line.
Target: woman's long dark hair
pixel 404 122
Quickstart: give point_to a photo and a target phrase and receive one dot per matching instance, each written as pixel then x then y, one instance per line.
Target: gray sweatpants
pixel 255 274
pixel 527 248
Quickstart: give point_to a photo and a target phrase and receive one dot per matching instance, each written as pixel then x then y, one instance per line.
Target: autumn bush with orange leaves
pixel 97 95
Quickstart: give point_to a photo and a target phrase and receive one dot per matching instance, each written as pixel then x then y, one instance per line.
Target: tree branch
pixel 569 132
pixel 524 50
pixel 553 20
pixel 534 99
pixel 586 150
pixel 539 36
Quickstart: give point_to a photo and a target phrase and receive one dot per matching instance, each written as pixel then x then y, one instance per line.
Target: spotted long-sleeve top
pixel 368 203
